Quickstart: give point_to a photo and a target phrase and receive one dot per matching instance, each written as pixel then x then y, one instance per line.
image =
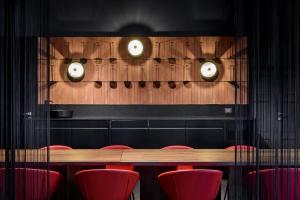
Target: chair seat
pixel 34 181
pixel 191 184
pixel 106 184
pixel 288 187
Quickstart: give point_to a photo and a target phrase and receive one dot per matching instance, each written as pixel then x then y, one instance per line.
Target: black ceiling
pixel 123 17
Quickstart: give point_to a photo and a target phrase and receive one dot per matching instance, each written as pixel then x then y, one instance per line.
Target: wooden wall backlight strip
pixel 107 60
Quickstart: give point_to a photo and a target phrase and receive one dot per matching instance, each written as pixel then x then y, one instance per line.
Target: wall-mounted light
pixel 209 71
pixel 135 48
pixel 75 71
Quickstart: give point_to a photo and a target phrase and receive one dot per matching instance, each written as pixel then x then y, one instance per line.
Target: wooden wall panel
pixel 231 53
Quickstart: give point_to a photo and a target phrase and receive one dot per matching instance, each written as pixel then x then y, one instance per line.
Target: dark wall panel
pixel 75 17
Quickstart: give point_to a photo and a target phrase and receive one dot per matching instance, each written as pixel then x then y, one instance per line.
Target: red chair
pixel 106 184
pixel 191 184
pixel 34 181
pixel 180 167
pixel 118 147
pixel 57 147
pixel 288 186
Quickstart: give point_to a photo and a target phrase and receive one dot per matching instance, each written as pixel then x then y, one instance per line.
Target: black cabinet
pixel 205 134
pixel 135 138
pixel 61 136
pixel 206 138
pixel 238 131
pixel 166 132
pixel 93 133
pixel 89 138
pixel 159 138
pixel 132 133
pixel 80 133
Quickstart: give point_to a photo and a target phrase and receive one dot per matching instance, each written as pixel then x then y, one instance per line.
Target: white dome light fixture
pixel 209 71
pixel 75 72
pixel 135 48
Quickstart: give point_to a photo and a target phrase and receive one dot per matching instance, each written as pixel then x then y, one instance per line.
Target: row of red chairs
pixel 117 182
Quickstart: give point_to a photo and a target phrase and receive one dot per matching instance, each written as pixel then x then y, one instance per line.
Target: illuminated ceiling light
pixel 209 71
pixel 135 48
pixel 75 71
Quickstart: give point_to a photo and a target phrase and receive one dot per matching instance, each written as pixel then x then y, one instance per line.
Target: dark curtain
pixel 272 27
pixel 23 118
pixel 274 62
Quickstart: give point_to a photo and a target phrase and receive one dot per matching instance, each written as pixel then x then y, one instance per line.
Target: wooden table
pixel 149 162
pixel 154 157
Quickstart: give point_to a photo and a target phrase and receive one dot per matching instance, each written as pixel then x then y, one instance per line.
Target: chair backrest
pixel 57 147
pixel 191 184
pixel 34 181
pixel 108 184
pixel 241 147
pixel 180 167
pixel 118 147
pixel 288 183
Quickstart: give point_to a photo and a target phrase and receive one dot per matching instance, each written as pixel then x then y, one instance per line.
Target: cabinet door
pixel 206 138
pixel 60 136
pixel 205 134
pixel 90 134
pixel 166 132
pixel 89 138
pixel 132 133
pixel 90 124
pixel 243 133
pixel 134 138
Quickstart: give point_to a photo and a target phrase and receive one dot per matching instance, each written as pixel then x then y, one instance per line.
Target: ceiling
pixel 125 17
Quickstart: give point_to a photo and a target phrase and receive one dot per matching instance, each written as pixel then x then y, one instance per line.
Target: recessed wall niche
pixel 166 73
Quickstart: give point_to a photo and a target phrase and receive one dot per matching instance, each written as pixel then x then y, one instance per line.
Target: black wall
pixel 147 17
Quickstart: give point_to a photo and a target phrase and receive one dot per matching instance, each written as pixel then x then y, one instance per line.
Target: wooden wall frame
pixel 166 60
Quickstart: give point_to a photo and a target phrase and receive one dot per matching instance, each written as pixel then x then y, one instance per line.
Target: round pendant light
pixel 209 71
pixel 135 48
pixel 75 71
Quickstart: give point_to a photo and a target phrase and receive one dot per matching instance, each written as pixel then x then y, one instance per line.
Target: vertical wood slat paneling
pixel 196 92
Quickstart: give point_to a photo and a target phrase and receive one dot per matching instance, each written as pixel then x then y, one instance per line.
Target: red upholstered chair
pixel 288 186
pixel 180 167
pixel 106 184
pixel 34 181
pixel 57 147
pixel 118 147
pixel 191 184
